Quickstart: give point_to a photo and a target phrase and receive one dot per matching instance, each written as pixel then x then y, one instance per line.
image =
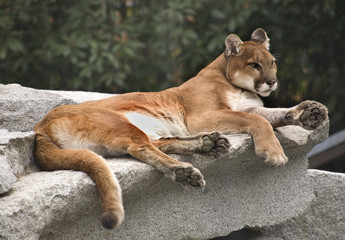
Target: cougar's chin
pixel 265 93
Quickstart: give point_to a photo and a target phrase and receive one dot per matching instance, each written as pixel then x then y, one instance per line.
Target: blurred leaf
pixel 85 72
pixel 5 22
pixel 3 52
pixel 218 14
pixel 14 44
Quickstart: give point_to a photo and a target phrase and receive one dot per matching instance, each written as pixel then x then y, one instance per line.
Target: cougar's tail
pixel 50 157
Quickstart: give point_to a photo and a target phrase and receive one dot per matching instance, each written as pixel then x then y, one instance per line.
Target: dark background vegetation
pixel 148 45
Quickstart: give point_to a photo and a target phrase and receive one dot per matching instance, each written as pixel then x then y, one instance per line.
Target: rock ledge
pixel 241 191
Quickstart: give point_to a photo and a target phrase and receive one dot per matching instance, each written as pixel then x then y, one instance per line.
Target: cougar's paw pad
pixel 208 144
pixel 215 144
pixel 313 114
pixel 189 177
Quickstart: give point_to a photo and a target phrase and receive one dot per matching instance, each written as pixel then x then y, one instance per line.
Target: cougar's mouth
pixel 265 93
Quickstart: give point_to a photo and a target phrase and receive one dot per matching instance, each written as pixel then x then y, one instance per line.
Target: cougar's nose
pixel 271 82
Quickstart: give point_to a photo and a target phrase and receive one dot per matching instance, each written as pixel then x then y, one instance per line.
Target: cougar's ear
pixel 259 35
pixel 232 44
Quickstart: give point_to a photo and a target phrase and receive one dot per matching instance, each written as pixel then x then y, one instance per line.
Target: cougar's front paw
pixel 214 144
pixel 312 114
pixel 188 176
pixel 272 154
pixel 276 160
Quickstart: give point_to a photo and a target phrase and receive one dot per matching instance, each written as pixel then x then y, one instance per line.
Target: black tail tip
pixel 110 220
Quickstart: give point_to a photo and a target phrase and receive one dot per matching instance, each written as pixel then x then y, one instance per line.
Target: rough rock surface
pixel 15 156
pixel 241 191
pixel 325 218
pixel 18 103
pixel 7 178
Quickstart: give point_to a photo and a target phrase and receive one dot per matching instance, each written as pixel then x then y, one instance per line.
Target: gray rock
pixel 325 218
pixel 241 191
pixel 7 178
pixel 15 156
pixel 18 103
pixel 80 96
pixel 17 147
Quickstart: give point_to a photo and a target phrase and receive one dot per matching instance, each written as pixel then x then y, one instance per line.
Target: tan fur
pixel 183 120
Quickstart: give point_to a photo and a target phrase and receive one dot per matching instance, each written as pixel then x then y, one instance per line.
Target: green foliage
pixel 118 46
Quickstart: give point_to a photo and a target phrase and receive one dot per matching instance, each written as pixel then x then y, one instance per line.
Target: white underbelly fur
pixel 156 128
pixel 153 127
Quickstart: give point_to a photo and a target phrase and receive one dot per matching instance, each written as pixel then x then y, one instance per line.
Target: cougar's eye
pixel 254 65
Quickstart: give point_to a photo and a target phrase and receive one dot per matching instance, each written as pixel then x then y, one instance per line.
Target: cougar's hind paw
pixel 214 144
pixel 189 177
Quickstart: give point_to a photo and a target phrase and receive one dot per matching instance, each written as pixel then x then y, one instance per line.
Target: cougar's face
pixel 253 69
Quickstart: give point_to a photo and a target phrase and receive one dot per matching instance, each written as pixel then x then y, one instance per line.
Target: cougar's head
pixel 250 65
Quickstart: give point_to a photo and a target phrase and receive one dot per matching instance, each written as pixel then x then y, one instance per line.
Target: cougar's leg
pixel 181 172
pixel 117 134
pixel 266 143
pixel 308 114
pixel 212 144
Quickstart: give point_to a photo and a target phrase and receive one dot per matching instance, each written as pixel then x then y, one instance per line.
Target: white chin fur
pixel 265 90
pixel 265 94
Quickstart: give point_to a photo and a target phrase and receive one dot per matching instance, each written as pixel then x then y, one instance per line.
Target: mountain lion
pixel 222 98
